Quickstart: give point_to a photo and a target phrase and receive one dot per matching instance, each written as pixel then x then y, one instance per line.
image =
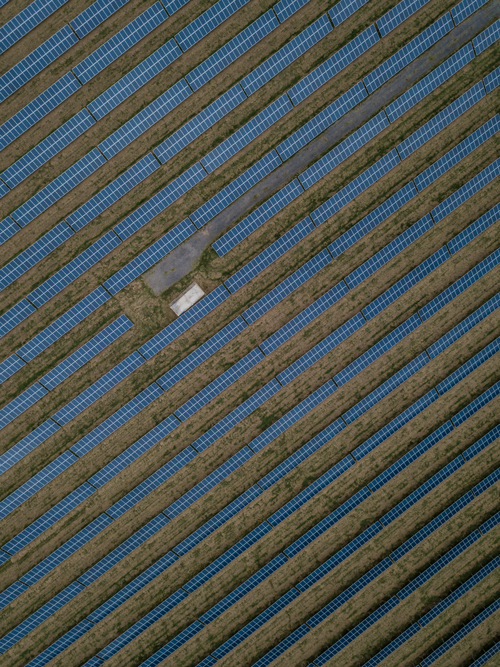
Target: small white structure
pixel 187 299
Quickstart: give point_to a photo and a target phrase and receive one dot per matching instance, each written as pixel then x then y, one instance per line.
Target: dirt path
pixel 185 258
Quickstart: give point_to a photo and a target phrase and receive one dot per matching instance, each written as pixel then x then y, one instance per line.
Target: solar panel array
pixel 398 14
pixel 464 9
pixel 206 22
pixel 26 20
pixel 94 15
pixel 7 229
pixel 487 37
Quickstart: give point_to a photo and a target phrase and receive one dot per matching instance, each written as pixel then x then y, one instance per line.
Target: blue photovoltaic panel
pixel 286 8
pixel 286 55
pixel 94 15
pixel 466 191
pixel 406 283
pixel 398 14
pixel 11 593
pixel 98 388
pixel 269 255
pixel 86 352
pixel 232 50
pixel 49 518
pixel 441 120
pixel 287 286
pixel 37 251
pixel 355 187
pixel 160 201
pixel 208 483
pixel 133 452
pixel 63 324
pixel 304 318
pixel 460 285
pixel 112 192
pixel 321 349
pixel 67 549
pixel 408 53
pixel 200 123
pixel 343 150
pixel 36 61
pixel 15 315
pixel 38 108
pixel 292 416
pixel 242 137
pixel 173 644
pixel 430 82
pixel 74 269
pixel 218 385
pixel 60 186
pixel 477 404
pixel 37 482
pixel 149 257
pixel 322 121
pixel 47 148
pixel 285 644
pixel 173 5
pixel 27 444
pixel 208 21
pixel 60 644
pixel 333 65
pixel 21 403
pixel 235 189
pixel 473 363
pixel 135 79
pixel 184 322
pixel 473 230
pixel 392 646
pixel 486 482
pixel 490 524
pixel 465 8
pixel 390 251
pixel 26 20
pixel 7 229
pixel 145 119
pixel 482 660
pixel 487 37
pixel 257 218
pixel 202 353
pixel 10 366
pixel 237 415
pixel 492 80
pixel 3 190
pixel 461 150
pixel 132 33
pixel 343 9
pixel 373 219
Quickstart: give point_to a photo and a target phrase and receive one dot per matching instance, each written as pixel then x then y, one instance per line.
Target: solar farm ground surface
pixel 304 467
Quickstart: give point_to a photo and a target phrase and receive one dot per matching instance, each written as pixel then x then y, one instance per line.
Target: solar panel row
pixel 474 229
pixel 398 14
pixel 7 229
pixel 286 8
pixel 208 21
pixel 492 80
pixel 60 644
pixel 26 20
pixel 465 8
pixel 21 403
pixel 9 366
pixel 486 38
pixel 94 15
pixel 15 315
pixel 476 404
pixel 343 9
pixel 27 444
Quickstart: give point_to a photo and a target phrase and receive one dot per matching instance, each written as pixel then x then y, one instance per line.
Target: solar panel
pixel 10 366
pixel 458 153
pixel 398 14
pixel 283 645
pixel 160 201
pixel 476 405
pixel 145 119
pixel 173 5
pixel 460 285
pixel 257 218
pixel 232 50
pixel 286 8
pixel 11 593
pixel 408 53
pixel 235 189
pixel 441 120
pixel 304 318
pixel 35 483
pixel 208 21
pixel 98 388
pixel 152 482
pixel 392 646
pixel 63 324
pixel 60 186
pixel 333 65
pixel 218 385
pixel 7 229
pixel 49 518
pixel 112 192
pixel 184 322
pixel 21 403
pixel 43 104
pixel 173 644
pixel 490 524
pixel 355 187
pixel 385 388
pixel 27 444
pixel 492 80
pixel 264 259
pixel 482 443
pixel 286 55
pixel 322 121
pixel 36 61
pixel 132 33
pixel 487 482
pixel 26 20
pixel 287 286
pixel 486 38
pixel 467 368
pixel 74 269
pixel 208 483
pixel 433 80
pixel 15 315
pixel 37 251
pixel 47 148
pixel 343 150
pixel 473 230
pixel 343 9
pixel 60 644
pixel 200 123
pixel 3 190
pixel 246 134
pixel 465 8
pixel 94 15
